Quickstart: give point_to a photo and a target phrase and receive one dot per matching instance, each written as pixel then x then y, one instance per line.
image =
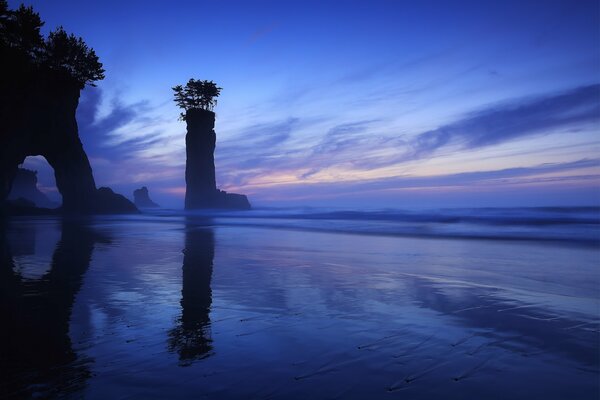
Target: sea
pixel 303 303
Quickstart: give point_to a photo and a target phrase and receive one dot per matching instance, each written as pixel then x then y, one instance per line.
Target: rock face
pixel 37 117
pixel 141 198
pixel 201 187
pixel 24 186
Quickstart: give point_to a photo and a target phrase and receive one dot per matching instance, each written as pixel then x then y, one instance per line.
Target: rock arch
pixel 39 119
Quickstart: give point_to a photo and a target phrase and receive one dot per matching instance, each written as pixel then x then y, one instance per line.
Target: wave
pixel 557 224
pixel 489 216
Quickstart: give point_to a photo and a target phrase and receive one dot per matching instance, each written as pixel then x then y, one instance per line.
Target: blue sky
pixel 362 104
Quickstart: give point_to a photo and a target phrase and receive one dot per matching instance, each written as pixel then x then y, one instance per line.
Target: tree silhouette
pixel 196 94
pixel 70 55
pixel 24 50
pixel 20 29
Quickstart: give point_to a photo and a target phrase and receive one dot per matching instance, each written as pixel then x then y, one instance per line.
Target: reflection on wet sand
pixel 525 329
pixel 264 313
pixel 36 353
pixel 191 337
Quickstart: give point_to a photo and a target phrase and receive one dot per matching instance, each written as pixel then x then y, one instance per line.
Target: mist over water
pixel 289 303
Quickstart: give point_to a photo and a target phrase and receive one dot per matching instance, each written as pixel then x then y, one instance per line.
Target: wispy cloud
pixel 105 132
pixel 127 145
pixel 512 120
pixel 262 32
pixel 366 145
pixel 548 173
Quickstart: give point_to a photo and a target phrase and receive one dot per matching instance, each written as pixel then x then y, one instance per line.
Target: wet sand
pixel 190 307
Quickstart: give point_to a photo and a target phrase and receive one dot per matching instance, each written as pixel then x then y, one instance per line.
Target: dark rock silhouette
pixel 40 83
pixel 141 198
pixel 201 188
pixel 200 141
pixel 42 122
pixel 109 202
pixel 232 200
pixel 24 186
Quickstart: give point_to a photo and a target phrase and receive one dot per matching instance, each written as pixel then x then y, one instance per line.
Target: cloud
pixel 342 137
pixel 258 148
pixel 123 132
pixel 513 120
pixel 101 134
pixel 538 174
pixel 129 144
pixel 274 147
pixel 261 33
pixel 264 135
pixel 291 150
pixel 340 140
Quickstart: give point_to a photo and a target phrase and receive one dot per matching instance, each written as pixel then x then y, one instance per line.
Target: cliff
pixel 141 198
pixel 201 188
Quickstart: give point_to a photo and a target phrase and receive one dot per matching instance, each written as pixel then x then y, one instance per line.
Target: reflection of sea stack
pixel 141 198
pixel 198 98
pixel 191 338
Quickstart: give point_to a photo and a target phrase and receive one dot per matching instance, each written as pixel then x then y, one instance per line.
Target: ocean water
pixel 303 303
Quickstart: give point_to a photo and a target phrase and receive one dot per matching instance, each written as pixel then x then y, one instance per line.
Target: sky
pixel 378 104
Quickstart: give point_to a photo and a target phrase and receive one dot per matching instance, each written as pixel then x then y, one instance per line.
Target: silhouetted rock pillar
pixel 200 140
pixel 201 190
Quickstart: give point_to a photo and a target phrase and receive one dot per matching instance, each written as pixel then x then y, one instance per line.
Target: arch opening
pixel 35 182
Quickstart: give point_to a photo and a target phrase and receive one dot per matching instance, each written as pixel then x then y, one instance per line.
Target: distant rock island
pixel 24 186
pixel 198 98
pixel 40 80
pixel 141 198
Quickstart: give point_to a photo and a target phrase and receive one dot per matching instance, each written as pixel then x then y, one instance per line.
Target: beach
pixel 270 304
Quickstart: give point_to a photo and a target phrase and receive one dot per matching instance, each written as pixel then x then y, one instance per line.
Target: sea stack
pixel 197 99
pixel 200 140
pixel 141 198
pixel 24 186
pixel 201 187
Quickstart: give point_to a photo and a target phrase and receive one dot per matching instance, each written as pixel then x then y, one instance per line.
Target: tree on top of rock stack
pixel 196 94
pixel 198 99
